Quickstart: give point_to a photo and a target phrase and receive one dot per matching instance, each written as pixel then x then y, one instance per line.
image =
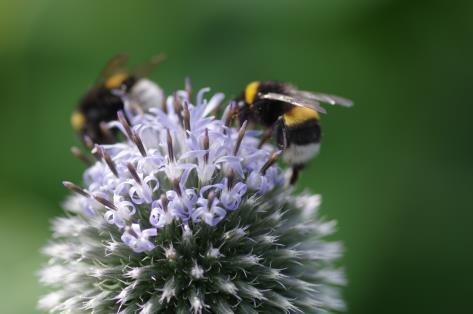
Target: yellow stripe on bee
pixel 77 120
pixel 250 92
pixel 299 115
pixel 116 80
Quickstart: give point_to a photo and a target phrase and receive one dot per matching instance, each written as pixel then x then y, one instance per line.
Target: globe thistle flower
pixel 189 215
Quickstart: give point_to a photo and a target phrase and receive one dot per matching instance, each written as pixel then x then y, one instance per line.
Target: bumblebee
pixel 102 102
pixel 291 115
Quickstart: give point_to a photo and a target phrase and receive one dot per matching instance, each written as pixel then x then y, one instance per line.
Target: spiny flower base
pixel 267 257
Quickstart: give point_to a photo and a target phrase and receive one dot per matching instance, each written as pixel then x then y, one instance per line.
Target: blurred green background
pixel 396 170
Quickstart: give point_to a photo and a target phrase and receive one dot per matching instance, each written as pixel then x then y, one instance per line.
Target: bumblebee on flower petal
pixel 291 115
pixel 102 102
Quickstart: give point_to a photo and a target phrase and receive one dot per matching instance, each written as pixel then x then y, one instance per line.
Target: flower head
pixel 188 214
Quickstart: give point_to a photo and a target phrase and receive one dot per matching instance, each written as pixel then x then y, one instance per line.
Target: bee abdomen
pixel 300 154
pixel 303 142
pixel 304 133
pixel 147 93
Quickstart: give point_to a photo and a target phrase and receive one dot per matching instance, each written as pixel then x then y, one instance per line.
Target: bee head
pixel 266 111
pixel 244 112
pixel 261 109
pixel 245 101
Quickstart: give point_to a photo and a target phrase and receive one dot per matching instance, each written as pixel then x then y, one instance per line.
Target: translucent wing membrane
pixel 145 69
pixel 117 64
pixel 296 101
pixel 325 98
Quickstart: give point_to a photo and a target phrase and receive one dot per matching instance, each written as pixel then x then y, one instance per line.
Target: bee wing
pixel 145 69
pixel 296 101
pixel 325 98
pixel 114 65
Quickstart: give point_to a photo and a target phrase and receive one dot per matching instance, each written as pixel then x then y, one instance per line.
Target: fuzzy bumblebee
pixel 291 114
pixel 189 215
pixel 102 102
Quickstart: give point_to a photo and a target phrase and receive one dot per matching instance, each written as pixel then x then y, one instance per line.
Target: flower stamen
pixel 131 231
pixel 177 187
pixel 74 188
pixel 105 202
pixel 210 199
pixel 230 179
pixel 187 118
pixel 272 159
pixel 241 134
pixel 137 140
pixel 131 134
pixel 206 145
pixel 177 106
pixel 124 122
pixel 81 156
pixel 108 160
pixel 188 87
pixel 231 114
pixel 133 173
pixel 164 201
pixel 169 143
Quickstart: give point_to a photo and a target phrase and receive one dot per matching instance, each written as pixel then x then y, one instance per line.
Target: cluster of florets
pixel 188 214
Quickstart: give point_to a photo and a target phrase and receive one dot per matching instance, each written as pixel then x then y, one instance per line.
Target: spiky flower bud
pixel 189 215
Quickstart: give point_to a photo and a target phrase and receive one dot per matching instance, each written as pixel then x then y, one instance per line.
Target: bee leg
pixel 295 173
pixel 242 111
pixel 106 134
pixel 281 133
pixel 268 133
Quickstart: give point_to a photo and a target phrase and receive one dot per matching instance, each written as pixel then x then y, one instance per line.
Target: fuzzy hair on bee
pixel 104 100
pixel 291 115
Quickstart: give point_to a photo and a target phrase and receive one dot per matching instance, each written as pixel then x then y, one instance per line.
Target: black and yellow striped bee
pixel 291 115
pixel 102 102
